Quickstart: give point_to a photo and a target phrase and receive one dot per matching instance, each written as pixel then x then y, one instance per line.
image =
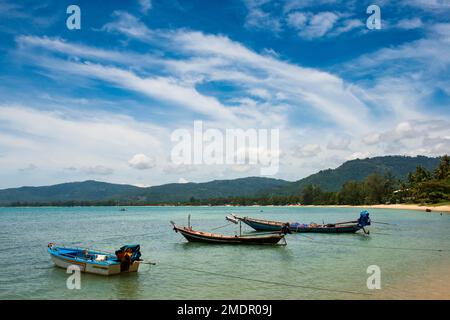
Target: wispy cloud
pixel 230 61
pixel 106 108
pixel 258 18
pixel 409 24
pixel 145 6
pixel 297 16
pixel 312 26
pixel 93 143
pixel 129 25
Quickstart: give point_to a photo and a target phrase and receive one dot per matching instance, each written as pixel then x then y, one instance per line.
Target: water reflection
pixel 129 285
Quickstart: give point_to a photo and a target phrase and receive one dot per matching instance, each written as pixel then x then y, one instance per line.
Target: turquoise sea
pixel 410 248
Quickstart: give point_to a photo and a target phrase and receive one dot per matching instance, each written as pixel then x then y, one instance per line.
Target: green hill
pixel 359 169
pixel 91 191
pixel 71 191
pixel 243 187
pixel 328 180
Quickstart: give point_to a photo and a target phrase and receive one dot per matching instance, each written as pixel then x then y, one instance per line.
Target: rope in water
pixel 376 247
pixel 264 281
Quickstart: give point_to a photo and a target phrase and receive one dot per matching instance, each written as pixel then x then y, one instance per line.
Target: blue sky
pixel 81 104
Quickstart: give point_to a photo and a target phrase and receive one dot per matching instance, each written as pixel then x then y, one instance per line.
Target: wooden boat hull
pixel 105 268
pixel 205 237
pixel 261 225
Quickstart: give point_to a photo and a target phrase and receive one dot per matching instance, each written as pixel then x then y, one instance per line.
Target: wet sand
pixel 444 208
pixel 431 284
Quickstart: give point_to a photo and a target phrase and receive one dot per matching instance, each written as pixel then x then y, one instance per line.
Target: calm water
pixel 333 262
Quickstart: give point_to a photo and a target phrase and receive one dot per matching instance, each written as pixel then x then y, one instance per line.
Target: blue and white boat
pixel 126 259
pixel 339 227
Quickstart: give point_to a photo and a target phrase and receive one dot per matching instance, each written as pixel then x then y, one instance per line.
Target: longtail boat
pixel 207 237
pixel 340 227
pixel 126 259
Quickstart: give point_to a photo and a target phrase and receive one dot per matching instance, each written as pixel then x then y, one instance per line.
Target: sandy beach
pixel 444 208
pixel 432 284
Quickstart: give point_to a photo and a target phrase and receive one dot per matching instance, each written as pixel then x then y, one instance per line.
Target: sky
pixel 101 102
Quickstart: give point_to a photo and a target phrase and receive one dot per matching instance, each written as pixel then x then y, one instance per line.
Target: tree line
pixel 421 186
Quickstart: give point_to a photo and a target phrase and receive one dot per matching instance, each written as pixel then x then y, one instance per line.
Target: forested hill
pixel 95 191
pixel 358 170
pixel 72 191
pixel 328 180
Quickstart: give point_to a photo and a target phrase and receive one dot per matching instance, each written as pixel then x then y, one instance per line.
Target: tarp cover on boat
pixel 364 219
pixel 296 225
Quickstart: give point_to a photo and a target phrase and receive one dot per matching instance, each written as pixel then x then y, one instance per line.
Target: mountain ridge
pixel 328 180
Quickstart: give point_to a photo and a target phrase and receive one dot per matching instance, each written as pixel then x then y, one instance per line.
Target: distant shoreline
pixel 417 207
pixel 435 208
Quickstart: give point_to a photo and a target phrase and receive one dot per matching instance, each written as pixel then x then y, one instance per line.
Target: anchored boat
pixel 339 227
pixel 207 237
pixel 126 259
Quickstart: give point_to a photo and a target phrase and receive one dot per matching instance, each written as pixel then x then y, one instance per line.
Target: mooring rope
pixel 376 247
pixel 264 281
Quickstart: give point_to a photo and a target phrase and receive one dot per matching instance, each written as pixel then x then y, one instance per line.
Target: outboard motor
pixel 364 219
pixel 127 255
pixel 285 229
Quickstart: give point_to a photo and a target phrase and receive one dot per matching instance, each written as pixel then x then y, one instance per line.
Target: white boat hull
pixel 93 267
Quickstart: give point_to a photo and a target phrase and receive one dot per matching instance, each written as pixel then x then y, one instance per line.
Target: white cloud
pixel 301 87
pixel 129 25
pixel 204 58
pixel 405 130
pixel 305 86
pixel 141 162
pixel 290 5
pixel 299 15
pixel 309 150
pixel 68 145
pixel 162 88
pixel 241 168
pixel 30 167
pixel 430 51
pixel 429 4
pixel 270 93
pixel 359 155
pixel 260 93
pixel 97 170
pixel 145 6
pixel 347 26
pixel 408 24
pixel 297 20
pixel 310 25
pixel 425 137
pixel 182 180
pixel 372 138
pixel 339 143
pixel 258 18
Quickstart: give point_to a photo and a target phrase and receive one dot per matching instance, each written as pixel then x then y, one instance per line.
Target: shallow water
pixel 312 266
